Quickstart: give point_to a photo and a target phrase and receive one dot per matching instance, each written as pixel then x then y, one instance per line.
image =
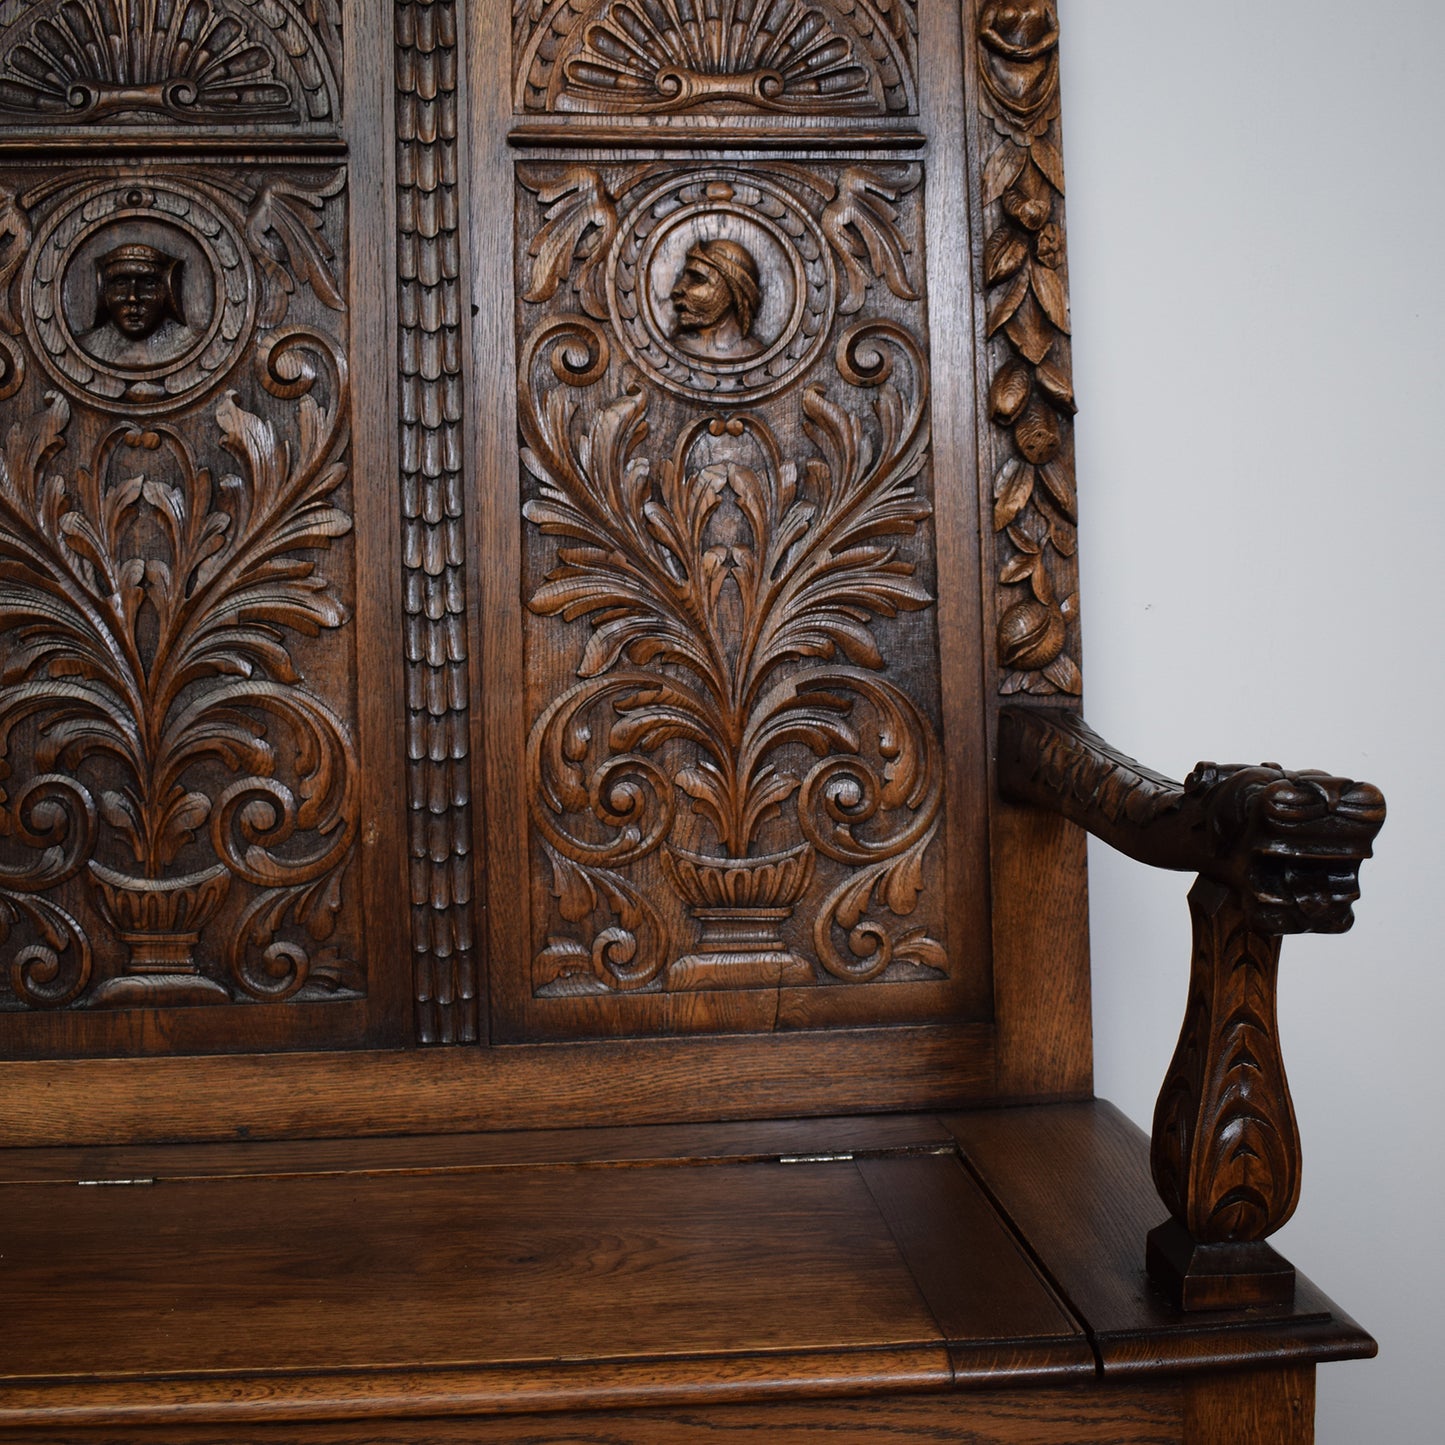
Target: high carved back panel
pixel 519 547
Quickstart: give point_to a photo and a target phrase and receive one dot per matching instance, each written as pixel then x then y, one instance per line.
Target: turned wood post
pixel 1225 1151
pixel 1276 852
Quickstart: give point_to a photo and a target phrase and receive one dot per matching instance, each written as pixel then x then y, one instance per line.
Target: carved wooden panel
pixel 733 759
pixel 81 64
pixel 828 58
pixel 176 581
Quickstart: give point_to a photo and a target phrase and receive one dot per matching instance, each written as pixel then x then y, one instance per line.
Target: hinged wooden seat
pixel 542 794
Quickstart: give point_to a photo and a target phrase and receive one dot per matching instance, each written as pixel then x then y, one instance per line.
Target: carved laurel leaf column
pixel 1027 394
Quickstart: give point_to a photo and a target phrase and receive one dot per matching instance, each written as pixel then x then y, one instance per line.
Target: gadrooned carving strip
pixel 438 705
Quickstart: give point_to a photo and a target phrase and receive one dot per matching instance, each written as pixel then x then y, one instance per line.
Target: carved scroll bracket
pixel 1277 852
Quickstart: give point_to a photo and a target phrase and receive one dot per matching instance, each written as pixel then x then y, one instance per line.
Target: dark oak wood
pixel 538 625
pixel 1253 1409
pixel 1074 1181
pixel 1277 853
pixel 1052 1417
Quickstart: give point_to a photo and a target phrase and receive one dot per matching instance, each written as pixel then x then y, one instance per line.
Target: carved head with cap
pixel 139 289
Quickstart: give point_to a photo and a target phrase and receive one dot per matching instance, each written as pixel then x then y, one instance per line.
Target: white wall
pixel 1257 260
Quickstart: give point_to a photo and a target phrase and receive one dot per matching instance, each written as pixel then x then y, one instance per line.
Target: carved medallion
pixel 248 62
pixel 141 294
pixel 807 57
pixel 720 285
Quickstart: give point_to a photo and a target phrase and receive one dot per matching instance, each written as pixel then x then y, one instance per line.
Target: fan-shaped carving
pixel 81 61
pixel 825 57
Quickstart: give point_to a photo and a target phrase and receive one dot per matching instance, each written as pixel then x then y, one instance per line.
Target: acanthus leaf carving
pixel 862 221
pixel 290 211
pixel 729 591
pixel 148 608
pixel 581 222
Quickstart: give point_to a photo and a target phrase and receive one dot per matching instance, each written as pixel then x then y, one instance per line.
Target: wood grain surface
pixel 1074 1181
pixel 520 1286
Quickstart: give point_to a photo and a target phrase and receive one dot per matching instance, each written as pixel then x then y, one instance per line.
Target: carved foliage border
pixel 1029 449
pixel 437 701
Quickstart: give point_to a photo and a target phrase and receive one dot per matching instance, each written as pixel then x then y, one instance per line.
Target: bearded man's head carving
pixel 716 298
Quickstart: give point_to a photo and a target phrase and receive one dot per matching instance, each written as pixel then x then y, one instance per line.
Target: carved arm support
pixel 1276 852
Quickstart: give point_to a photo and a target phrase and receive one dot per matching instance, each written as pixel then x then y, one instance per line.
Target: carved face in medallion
pixel 138 290
pixel 140 314
pixel 716 298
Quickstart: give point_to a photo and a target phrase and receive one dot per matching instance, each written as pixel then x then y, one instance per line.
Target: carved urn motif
pixel 741 905
pixel 159 920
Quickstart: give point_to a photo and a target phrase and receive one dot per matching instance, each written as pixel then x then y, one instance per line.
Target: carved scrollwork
pixel 730 588
pixel 56 816
pixel 1030 397
pixel 239 62
pixel 659 57
pixel 148 608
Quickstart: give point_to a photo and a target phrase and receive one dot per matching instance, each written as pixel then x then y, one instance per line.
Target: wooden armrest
pixel 1290 844
pixel 1276 852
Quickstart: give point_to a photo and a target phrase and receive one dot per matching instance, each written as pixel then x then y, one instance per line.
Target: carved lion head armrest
pixel 1276 852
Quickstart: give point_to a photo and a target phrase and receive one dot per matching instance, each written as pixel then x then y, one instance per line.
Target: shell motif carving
pixel 1031 396
pixel 77 62
pixel 809 57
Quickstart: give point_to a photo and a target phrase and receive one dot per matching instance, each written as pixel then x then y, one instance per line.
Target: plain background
pixel 1256 221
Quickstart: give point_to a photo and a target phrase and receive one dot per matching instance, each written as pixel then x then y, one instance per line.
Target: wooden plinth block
pixel 1217 1276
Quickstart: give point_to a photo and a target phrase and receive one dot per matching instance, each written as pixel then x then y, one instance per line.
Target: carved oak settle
pixel 540 648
